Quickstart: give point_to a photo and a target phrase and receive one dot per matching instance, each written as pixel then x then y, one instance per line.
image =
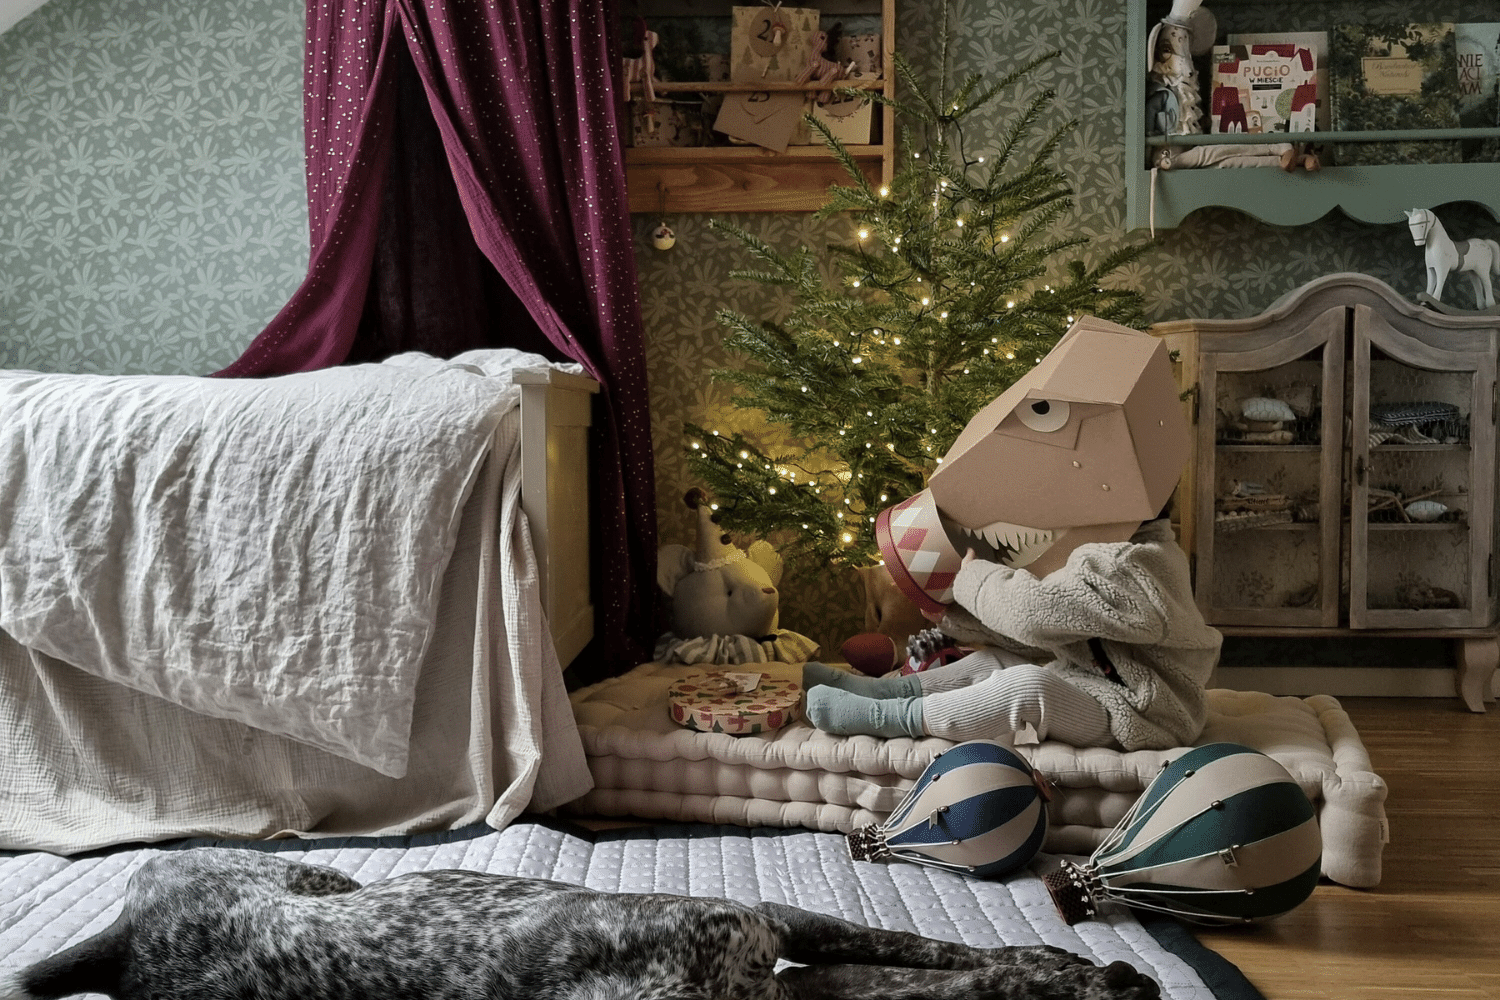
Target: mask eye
pixel 1043 415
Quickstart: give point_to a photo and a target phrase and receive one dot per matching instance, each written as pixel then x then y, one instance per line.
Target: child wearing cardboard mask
pixel 1084 616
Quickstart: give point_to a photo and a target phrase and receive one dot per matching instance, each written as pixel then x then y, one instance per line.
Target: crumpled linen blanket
pixel 266 551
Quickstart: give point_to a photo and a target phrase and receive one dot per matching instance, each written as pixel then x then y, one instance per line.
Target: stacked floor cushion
pixel 646 766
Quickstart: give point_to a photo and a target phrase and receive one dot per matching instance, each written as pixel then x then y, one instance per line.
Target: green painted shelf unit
pixel 1375 194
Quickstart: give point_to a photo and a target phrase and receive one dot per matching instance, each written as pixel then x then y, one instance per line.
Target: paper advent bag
pixel 768 120
pixel 771 43
pixel 848 119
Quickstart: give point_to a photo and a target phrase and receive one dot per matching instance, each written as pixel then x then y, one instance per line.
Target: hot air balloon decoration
pixel 1222 835
pixel 978 809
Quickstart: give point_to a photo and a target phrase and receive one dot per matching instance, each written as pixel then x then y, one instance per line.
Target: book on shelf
pixel 1264 86
pixel 1315 42
pixel 1394 76
pixel 1478 52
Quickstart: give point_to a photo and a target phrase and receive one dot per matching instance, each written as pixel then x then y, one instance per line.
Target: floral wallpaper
pixel 152 214
pixel 152 206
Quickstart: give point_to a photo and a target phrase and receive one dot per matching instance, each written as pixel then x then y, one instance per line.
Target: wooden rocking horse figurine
pixel 1478 258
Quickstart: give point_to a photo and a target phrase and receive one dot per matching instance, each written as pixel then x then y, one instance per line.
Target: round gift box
pixel 711 704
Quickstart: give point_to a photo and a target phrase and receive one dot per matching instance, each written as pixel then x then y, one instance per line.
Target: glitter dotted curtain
pixel 466 189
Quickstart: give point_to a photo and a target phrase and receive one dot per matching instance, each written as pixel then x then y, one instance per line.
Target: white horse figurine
pixel 1478 258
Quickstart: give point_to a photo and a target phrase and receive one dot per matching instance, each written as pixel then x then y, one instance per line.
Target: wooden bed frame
pixel 556 413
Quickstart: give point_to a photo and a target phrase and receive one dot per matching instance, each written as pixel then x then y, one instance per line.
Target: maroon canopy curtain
pixel 466 189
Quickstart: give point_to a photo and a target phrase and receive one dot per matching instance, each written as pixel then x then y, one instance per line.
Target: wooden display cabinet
pixel 732 178
pixel 1372 510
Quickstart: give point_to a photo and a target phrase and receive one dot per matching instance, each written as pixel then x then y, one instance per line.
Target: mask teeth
pixel 1012 545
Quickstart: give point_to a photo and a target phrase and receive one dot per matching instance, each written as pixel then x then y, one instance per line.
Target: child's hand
pixel 969 557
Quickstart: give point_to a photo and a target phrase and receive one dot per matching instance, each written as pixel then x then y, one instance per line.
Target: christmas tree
pixel 949 289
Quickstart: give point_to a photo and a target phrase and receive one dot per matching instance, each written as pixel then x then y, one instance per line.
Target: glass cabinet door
pixel 1270 415
pixel 1422 461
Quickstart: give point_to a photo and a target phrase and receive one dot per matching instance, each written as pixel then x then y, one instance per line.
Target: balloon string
pixel 1110 842
pixel 1116 836
pixel 1186 890
pixel 1203 916
pixel 918 859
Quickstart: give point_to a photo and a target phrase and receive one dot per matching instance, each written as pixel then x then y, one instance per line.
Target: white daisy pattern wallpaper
pixel 153 216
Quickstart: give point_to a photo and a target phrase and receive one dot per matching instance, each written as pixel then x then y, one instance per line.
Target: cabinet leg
pixel 1477 660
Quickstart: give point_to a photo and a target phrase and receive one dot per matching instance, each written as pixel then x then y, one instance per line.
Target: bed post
pixel 556 413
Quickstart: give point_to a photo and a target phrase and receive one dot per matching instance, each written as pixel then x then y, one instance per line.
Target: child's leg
pixel 972 669
pixel 816 674
pixel 1007 700
pixel 848 705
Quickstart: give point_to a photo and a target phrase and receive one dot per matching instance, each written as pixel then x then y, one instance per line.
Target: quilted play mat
pixel 49 902
pixel 645 765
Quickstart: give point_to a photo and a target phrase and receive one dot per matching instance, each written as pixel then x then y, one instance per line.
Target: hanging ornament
pixel 978 809
pixel 1222 835
pixel 663 238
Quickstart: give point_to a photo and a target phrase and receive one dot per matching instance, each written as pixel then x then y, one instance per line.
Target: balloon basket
pixel 868 844
pixel 1070 888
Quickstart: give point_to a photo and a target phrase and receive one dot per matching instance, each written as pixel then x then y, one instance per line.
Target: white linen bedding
pixel 394 689
pixel 266 551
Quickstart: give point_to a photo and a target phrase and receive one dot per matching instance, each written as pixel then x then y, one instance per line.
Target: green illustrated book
pixel 1394 76
pixel 1478 49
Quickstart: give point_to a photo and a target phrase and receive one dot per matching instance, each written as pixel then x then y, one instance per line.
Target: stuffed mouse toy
pixel 723 598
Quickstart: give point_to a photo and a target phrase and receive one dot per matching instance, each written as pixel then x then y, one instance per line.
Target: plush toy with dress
pixel 723 599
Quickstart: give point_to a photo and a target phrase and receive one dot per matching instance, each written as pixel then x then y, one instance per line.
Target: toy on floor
pixel 724 600
pixel 1223 835
pixel 1477 258
pixel 1039 540
pixel 988 818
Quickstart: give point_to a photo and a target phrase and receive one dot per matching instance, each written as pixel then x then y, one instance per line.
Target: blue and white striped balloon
pixel 1222 835
pixel 978 808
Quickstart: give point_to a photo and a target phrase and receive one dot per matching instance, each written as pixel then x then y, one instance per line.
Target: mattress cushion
pixel 644 765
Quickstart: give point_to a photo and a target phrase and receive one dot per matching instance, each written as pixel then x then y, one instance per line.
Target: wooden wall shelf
pixel 750 178
pixel 1376 194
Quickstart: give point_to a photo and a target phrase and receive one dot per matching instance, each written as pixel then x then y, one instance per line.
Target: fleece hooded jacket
pixel 1135 598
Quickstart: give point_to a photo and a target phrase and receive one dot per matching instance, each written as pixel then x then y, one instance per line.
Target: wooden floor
pixel 1431 929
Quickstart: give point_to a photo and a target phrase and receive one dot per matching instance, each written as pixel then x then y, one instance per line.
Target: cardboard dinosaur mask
pixel 1082 448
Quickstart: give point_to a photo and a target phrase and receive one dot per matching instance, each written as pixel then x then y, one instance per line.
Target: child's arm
pixel 1106 590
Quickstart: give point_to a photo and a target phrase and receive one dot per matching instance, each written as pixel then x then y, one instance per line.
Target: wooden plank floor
pixel 1431 929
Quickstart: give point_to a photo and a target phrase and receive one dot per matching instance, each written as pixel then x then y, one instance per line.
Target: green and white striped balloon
pixel 1222 835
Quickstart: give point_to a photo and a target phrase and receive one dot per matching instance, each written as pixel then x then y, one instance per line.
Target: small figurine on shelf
pixel 823 65
pixel 1175 106
pixel 639 67
pixel 1477 258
